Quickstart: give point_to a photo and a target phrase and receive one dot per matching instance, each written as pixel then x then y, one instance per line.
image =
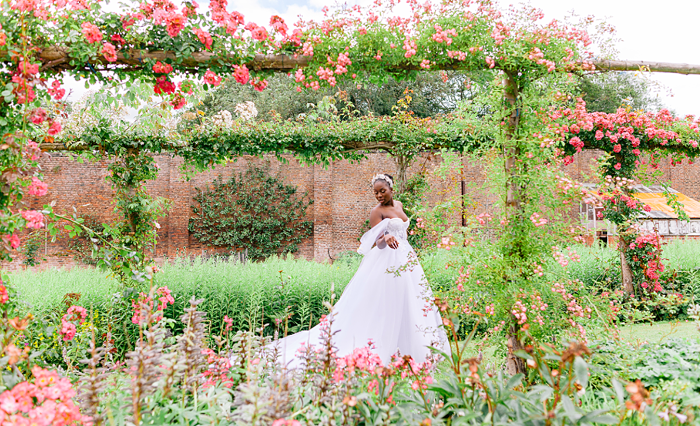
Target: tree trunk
pixel 627 282
pixel 514 364
pixel 402 165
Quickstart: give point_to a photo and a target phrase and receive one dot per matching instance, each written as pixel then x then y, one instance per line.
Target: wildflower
pixel 68 330
pixel 639 397
pixel 229 323
pixel 19 324
pixel 285 422
pixel 165 297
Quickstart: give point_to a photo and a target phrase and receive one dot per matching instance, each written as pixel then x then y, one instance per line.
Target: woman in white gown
pixel 388 301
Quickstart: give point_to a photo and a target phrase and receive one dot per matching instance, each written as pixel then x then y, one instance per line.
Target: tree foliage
pixel 607 92
pixel 433 93
pixel 254 212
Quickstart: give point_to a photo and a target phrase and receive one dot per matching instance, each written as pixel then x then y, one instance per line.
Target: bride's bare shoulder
pixel 375 216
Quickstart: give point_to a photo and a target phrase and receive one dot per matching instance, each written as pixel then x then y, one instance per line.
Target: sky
pixel 651 31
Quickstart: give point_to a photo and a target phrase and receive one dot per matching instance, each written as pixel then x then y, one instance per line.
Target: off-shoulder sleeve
pixel 370 237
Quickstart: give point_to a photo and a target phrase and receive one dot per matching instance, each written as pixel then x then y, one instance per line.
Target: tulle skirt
pixel 387 303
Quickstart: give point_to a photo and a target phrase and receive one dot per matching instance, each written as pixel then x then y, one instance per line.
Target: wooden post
pixel 511 152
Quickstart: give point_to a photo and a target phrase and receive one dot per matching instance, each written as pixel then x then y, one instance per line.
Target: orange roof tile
pixel 657 202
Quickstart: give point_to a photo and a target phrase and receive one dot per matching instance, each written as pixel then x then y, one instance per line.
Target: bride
pixel 388 302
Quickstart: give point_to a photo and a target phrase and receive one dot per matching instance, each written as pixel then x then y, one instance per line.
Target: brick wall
pixel 341 194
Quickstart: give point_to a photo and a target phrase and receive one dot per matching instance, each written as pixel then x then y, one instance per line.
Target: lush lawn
pixel 659 331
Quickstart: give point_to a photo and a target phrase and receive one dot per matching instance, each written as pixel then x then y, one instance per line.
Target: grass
pixel 248 293
pixel 599 259
pixel 256 293
pixel 659 331
pixel 48 288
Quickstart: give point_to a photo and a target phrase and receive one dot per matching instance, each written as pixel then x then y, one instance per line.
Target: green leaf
pixel 581 370
pixel 597 418
pixel 569 408
pixel 619 392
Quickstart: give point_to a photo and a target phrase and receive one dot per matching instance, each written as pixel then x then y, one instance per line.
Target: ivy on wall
pixel 253 211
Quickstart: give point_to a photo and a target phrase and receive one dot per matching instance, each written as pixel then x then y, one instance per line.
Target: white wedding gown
pixel 388 301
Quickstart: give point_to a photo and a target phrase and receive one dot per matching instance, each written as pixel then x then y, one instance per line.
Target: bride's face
pixel 382 192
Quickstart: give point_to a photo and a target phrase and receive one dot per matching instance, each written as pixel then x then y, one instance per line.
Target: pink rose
pixel 37 188
pixel 175 23
pixel 211 78
pixel 161 68
pixel 54 128
pixel 12 240
pixel 38 116
pixel 34 219
pixel 242 75
pixel 178 101
pixel 204 37
pixel 109 52
pixel 258 85
pixel 91 32
pixel 259 34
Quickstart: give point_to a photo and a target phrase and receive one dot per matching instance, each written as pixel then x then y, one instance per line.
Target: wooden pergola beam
pixel 667 67
pixel 57 58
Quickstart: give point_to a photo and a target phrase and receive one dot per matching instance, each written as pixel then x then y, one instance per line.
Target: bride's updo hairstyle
pixel 384 177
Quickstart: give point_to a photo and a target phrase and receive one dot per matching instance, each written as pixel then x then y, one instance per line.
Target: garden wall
pixel 341 194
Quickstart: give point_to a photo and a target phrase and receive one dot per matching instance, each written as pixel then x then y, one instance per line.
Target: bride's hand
pixel 391 241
